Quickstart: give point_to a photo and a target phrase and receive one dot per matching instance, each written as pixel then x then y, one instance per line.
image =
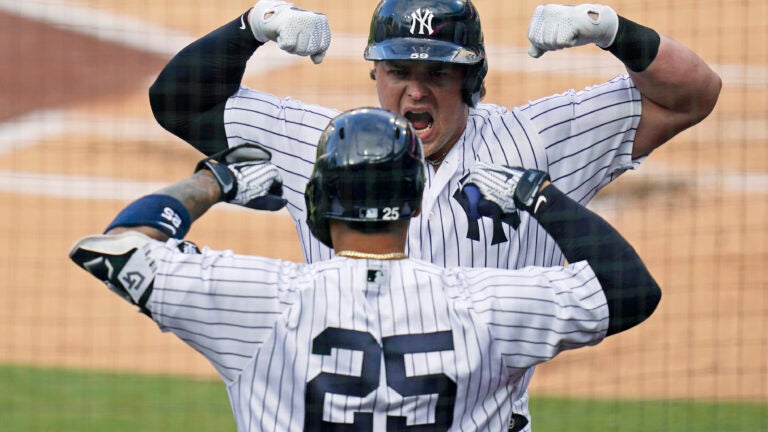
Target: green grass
pixel 35 399
pixel 552 414
pixel 45 400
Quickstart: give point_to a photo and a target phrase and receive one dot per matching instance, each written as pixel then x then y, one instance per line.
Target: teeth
pixel 429 126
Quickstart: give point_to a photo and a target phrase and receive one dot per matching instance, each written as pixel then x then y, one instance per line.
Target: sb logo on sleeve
pixel 173 218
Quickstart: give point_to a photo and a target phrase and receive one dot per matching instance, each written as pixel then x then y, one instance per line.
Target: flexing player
pixel 371 339
pixel 428 63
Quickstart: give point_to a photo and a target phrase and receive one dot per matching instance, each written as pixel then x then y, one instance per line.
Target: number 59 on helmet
pixel 431 30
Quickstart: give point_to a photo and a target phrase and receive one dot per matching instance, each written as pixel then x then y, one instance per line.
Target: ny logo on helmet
pixel 424 18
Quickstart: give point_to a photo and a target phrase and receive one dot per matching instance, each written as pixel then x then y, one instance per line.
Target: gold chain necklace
pixel 435 163
pixel 386 256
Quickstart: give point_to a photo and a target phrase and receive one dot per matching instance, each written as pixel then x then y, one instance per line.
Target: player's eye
pixel 441 73
pixel 400 73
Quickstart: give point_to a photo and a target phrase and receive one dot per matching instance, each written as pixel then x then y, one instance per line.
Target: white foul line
pixel 32 128
pixel 89 188
pixel 76 187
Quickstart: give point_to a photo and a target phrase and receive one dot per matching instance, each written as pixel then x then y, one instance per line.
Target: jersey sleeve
pixel 587 135
pixel 535 313
pixel 290 129
pixel 221 304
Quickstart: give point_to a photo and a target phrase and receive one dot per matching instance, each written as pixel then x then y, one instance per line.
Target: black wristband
pixel 635 45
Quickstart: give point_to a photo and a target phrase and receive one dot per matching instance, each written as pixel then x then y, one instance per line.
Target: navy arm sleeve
pixel 582 235
pixel 189 95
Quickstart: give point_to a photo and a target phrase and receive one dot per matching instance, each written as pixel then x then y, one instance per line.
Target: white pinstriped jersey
pixel 582 139
pixel 372 342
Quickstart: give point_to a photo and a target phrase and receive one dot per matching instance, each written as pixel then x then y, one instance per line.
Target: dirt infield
pixel 64 67
pixel 696 210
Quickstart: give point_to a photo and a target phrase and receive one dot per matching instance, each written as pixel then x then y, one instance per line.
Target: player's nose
pixel 416 89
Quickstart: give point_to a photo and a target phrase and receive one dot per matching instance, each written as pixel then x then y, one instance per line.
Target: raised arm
pixel 631 292
pixel 677 88
pixel 120 258
pixel 189 96
pixel 241 175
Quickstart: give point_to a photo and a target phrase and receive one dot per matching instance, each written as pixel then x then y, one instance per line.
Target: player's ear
pixel 372 72
pixel 417 212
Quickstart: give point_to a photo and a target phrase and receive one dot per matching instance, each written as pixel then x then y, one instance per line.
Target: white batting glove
pixel 496 184
pixel 554 27
pixel 296 31
pixel 254 180
pixel 505 187
pixel 246 177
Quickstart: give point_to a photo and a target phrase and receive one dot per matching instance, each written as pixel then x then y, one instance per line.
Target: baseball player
pixel 428 65
pixel 371 339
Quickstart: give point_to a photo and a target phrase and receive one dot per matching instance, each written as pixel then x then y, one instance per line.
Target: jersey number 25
pixel 393 350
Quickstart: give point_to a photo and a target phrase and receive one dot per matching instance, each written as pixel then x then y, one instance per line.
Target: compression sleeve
pixel 631 292
pixel 189 95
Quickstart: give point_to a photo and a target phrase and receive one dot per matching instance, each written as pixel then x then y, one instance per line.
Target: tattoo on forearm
pixel 198 193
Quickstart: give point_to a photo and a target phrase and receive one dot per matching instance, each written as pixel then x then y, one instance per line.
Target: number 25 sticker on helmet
pixel 385 151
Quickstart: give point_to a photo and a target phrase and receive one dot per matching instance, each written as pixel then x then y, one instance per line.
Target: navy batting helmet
pixel 369 168
pixel 431 30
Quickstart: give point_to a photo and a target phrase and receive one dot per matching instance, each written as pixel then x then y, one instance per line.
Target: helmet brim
pixel 421 49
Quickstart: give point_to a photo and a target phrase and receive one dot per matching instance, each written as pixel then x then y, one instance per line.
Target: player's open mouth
pixel 421 121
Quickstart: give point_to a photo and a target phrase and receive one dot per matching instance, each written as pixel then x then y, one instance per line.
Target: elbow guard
pixel 123 262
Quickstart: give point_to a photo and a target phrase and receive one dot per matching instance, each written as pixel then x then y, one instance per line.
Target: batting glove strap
pixel 296 31
pixel 246 177
pixel 218 164
pixel 224 176
pixel 528 188
pixel 507 187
